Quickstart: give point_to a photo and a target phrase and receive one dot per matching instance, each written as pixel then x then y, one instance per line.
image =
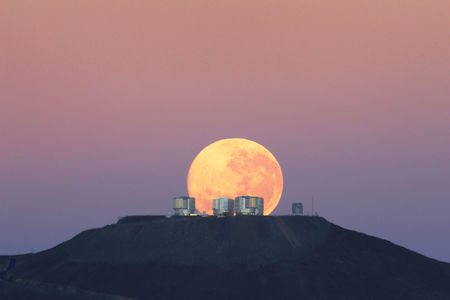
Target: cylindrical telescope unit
pixel 297 209
pixel 183 206
pixel 249 205
pixel 223 206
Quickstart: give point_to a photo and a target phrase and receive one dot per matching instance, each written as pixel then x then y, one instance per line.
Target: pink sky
pixel 104 104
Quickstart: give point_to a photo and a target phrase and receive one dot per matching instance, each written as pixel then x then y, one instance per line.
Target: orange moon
pixel 235 167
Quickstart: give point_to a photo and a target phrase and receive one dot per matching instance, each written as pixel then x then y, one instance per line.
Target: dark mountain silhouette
pixel 276 257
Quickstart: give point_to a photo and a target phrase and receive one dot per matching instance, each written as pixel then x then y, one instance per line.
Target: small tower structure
pixel 297 209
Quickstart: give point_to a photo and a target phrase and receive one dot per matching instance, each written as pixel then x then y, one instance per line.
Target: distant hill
pixel 274 257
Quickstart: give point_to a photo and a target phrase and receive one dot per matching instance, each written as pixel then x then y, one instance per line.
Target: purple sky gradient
pixel 104 105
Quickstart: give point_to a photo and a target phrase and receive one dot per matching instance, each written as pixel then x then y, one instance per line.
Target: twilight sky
pixel 104 105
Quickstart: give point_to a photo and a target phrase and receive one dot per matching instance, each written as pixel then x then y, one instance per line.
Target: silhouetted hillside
pixel 152 257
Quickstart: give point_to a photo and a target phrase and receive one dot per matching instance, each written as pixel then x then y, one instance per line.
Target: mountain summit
pixel 272 257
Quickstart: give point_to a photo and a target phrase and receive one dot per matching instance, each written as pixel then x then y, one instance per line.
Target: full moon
pixel 235 167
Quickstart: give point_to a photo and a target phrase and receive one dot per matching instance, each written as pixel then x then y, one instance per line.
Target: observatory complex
pixel 184 206
pixel 249 206
pixel 223 206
